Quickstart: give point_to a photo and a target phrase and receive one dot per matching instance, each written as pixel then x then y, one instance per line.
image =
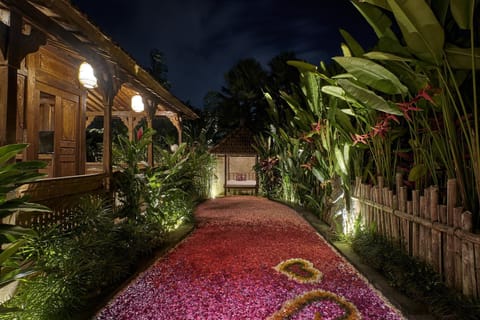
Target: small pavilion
pixel 235 161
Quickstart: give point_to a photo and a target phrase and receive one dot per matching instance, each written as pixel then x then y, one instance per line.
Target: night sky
pixel 203 39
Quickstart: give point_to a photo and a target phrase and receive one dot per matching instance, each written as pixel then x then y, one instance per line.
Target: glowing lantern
pixel 86 76
pixel 137 103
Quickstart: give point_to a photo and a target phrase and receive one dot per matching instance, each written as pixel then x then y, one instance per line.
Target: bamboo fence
pixel 439 234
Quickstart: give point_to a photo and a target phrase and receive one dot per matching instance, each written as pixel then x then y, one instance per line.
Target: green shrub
pixel 12 237
pixel 79 264
pixel 413 277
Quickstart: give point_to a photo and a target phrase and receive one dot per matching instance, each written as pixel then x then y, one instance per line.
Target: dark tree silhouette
pixel 158 68
pixel 242 100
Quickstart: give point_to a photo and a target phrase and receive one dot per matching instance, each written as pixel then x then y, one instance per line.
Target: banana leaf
pixel 346 50
pixel 367 98
pixel 420 28
pixel 415 81
pixel 461 58
pixel 342 120
pixel 440 8
pixel 302 66
pixel 372 74
pixel 354 46
pixel 393 46
pixel 338 92
pixel 462 11
pixel 377 19
pixel 378 55
pixel 379 3
pixel 310 84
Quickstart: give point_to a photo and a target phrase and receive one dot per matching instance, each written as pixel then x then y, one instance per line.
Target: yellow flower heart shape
pixel 297 304
pixel 299 270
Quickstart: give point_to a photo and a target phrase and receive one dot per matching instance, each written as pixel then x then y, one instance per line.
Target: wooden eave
pixel 59 20
pixel 238 143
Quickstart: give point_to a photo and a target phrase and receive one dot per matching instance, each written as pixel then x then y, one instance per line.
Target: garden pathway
pixel 250 258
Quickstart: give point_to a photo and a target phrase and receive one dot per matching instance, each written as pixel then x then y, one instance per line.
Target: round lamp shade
pixel 137 103
pixel 86 76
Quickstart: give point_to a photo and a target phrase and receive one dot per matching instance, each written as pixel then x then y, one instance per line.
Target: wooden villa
pixel 45 102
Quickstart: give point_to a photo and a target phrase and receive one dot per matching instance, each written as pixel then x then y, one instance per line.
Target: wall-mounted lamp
pixel 86 76
pixel 137 103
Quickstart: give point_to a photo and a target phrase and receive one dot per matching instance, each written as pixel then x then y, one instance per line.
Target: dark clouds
pixel 202 39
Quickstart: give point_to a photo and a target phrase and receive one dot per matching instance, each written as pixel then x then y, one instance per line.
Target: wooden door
pixel 66 141
pixel 67 137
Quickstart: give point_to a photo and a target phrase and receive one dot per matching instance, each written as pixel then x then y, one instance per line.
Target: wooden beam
pixel 17 46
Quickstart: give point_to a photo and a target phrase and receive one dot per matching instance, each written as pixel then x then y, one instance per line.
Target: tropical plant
pixel 432 71
pixel 75 265
pixel 269 176
pixel 312 142
pixel 12 237
pixel 130 180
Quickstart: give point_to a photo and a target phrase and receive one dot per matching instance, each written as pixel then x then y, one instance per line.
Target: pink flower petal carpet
pixel 250 258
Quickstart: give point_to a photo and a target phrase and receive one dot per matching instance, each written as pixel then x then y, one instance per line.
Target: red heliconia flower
pixel 360 138
pixel 392 117
pixel 317 126
pixel 139 133
pixel 426 92
pixel 380 129
pixel 405 107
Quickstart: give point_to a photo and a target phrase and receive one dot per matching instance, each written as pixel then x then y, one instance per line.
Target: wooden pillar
pixel 151 108
pixel 109 89
pixel 9 79
pixel 107 135
pixel 19 42
pixel 150 158
pixel 180 130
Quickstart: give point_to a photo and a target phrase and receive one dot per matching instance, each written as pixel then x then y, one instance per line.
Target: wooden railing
pixel 59 194
pixel 439 234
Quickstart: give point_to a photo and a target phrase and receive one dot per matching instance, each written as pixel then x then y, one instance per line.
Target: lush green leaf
pixel 462 10
pixel 338 92
pixel 10 250
pixel 302 66
pixel 461 58
pixel 420 28
pixel 417 172
pixel 339 156
pixel 378 55
pixel 372 74
pixel 16 230
pixel 367 98
pixel 318 174
pixel 440 8
pixel 354 46
pixel 377 19
pixel 9 151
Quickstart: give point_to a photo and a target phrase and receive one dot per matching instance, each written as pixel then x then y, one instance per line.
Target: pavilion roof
pixel 238 142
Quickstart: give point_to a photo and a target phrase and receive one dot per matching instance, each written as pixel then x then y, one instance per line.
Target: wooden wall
pixel 54 101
